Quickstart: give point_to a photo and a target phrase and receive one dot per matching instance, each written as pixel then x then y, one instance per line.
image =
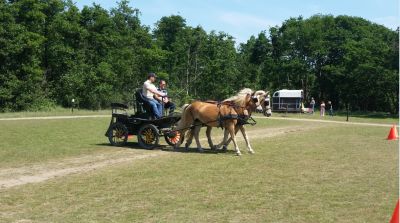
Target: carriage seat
pixel 143 104
pixel 116 105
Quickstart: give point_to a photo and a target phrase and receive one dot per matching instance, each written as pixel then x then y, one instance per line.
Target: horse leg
pixel 222 144
pixel 231 129
pixel 230 139
pixel 208 133
pixel 189 137
pixel 196 131
pixel 184 124
pixel 243 130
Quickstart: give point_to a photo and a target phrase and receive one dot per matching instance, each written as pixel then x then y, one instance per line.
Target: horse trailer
pixel 287 100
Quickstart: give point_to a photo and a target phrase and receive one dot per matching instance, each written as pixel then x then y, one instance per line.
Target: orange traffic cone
pixel 395 216
pixel 393 133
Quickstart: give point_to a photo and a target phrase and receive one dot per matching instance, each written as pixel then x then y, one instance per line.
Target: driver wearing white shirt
pixel 149 90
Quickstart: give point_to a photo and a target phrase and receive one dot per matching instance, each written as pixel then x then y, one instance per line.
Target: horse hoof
pixel 252 152
pixel 238 154
pixel 224 148
pixel 201 150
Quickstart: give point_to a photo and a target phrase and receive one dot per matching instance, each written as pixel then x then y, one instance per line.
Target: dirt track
pixel 279 118
pixel 12 177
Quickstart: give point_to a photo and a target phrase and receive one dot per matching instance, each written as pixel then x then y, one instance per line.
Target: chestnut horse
pixel 223 114
pixel 260 95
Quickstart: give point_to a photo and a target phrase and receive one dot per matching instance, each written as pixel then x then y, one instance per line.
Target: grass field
pixel 341 116
pixel 301 172
pixel 58 111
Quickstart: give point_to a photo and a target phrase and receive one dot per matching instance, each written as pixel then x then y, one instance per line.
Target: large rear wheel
pixel 148 136
pixel 118 134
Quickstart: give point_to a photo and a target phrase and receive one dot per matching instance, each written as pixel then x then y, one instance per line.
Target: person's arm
pixel 160 98
pixel 164 98
pixel 154 91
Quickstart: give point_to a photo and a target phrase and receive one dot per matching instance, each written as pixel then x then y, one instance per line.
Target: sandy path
pixel 41 172
pixel 36 173
pixel 280 118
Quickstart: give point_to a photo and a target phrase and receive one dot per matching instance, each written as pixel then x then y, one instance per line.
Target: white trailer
pixel 287 100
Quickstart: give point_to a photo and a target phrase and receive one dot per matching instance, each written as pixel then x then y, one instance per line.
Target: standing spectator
pixel 330 108
pixel 312 105
pixel 322 108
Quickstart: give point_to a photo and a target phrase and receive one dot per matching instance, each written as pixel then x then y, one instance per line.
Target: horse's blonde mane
pixel 260 92
pixel 240 98
pixel 261 95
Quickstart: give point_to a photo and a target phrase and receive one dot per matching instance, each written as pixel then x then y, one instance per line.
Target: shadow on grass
pixel 167 148
pixel 128 145
pixel 207 151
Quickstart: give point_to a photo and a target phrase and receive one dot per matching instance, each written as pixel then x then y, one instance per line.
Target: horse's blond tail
pixel 186 118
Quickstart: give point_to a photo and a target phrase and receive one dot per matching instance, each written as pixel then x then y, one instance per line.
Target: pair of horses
pixel 229 114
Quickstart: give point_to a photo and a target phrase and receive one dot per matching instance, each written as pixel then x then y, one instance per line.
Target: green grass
pixel 34 141
pixel 58 111
pixel 334 173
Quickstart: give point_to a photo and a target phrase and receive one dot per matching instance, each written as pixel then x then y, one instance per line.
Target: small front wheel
pixel 172 137
pixel 118 134
pixel 148 136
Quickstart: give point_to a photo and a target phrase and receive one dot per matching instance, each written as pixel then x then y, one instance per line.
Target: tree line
pixel 52 52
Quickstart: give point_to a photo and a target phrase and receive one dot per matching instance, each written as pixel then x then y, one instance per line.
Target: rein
pixel 240 116
pixel 228 103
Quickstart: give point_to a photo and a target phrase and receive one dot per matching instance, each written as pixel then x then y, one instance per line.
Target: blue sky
pixel 243 18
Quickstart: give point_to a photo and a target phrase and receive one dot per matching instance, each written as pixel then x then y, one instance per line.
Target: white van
pixel 287 100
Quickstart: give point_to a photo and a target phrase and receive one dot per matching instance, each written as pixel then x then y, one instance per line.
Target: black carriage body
pixel 136 121
pixel 122 125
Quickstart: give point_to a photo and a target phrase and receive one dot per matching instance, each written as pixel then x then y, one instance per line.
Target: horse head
pixel 255 99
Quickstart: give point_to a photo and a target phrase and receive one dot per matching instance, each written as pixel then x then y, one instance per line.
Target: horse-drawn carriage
pixel 231 114
pixel 142 124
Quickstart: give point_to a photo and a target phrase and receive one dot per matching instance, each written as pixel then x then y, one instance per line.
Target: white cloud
pixel 391 22
pixel 241 20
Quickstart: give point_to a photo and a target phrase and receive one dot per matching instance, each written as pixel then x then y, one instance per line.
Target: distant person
pixel 165 100
pixel 330 108
pixel 149 90
pixel 322 108
pixel 312 105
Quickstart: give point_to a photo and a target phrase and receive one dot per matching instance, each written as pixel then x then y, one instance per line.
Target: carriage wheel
pixel 118 134
pixel 148 136
pixel 172 137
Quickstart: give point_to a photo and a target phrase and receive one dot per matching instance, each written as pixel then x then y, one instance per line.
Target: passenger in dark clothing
pixel 167 101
